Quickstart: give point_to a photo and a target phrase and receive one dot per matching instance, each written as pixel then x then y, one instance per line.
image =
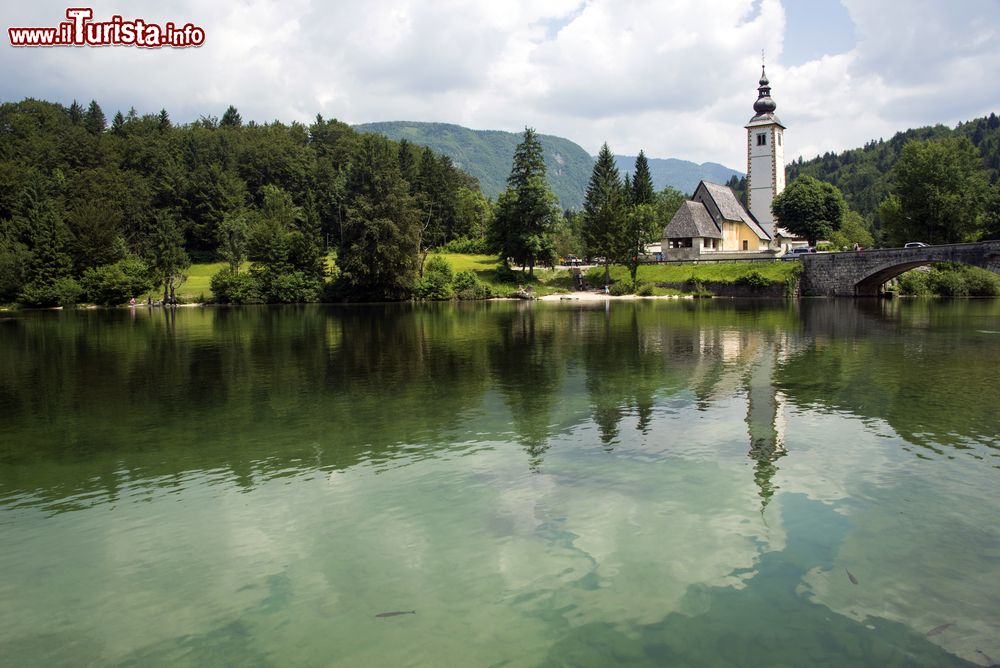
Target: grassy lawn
pixel 547 281
pixel 723 272
pixel 199 277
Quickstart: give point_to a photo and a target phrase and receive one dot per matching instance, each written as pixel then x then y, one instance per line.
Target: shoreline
pixel 597 296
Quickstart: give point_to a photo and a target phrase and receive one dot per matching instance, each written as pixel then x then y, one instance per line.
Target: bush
pixel 438 265
pixel 60 292
pixel 753 279
pixel 466 245
pixel 436 282
pixel 620 288
pixel 111 284
pixel 982 284
pixel 291 288
pixel 645 290
pixel 696 287
pixel 468 286
pixel 230 288
pixel 465 280
pixel 946 283
pixel 479 291
pixel 506 275
pixel 914 283
pixel 950 280
pixel 433 287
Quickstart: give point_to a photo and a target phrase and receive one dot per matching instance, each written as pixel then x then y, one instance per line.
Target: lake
pixel 651 483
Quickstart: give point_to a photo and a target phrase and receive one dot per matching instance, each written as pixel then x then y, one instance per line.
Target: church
pixel 714 222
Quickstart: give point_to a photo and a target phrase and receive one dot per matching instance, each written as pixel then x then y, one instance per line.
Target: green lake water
pixel 707 483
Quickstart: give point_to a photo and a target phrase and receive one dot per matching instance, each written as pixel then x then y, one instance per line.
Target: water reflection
pixel 579 484
pixel 92 400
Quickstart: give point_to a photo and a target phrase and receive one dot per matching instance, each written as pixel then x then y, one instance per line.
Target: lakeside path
pixel 598 296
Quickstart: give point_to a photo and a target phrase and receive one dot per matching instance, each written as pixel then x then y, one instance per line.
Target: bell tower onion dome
pixel 764 103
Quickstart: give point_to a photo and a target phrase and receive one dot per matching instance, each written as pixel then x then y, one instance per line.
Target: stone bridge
pixel 862 273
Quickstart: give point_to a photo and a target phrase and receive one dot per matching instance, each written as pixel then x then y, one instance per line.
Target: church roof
pixel 729 208
pixel 767 118
pixel 692 220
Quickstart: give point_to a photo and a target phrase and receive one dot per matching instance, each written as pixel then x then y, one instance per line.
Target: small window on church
pixel 761 139
pixel 779 139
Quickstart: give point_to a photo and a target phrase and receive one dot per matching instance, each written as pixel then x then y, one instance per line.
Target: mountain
pixel 680 174
pixel 488 154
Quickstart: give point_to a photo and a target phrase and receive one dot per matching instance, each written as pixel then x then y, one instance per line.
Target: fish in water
pixel 939 629
pixel 396 613
pixel 850 576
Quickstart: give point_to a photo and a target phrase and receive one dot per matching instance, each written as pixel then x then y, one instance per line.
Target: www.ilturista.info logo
pixel 81 31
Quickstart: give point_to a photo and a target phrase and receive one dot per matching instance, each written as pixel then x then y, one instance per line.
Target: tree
pixel 435 198
pixel 233 233
pixel 810 208
pixel 642 182
pixel 667 202
pixel 118 124
pixel 377 254
pixel 284 245
pixel 168 259
pixel 940 196
pixel 48 263
pixel 500 233
pixel 991 228
pixel 642 227
pixel 852 231
pixel 604 211
pixel 75 112
pixel 527 210
pixel 94 119
pixel 472 213
pixel 231 119
pixel 96 226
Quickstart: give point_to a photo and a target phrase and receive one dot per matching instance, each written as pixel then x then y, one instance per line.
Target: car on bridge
pixel 915 244
pixel 797 253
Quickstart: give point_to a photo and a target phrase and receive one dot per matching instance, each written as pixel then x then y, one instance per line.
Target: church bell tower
pixel 765 157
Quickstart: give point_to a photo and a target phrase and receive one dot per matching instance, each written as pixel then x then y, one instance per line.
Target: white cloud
pixel 677 79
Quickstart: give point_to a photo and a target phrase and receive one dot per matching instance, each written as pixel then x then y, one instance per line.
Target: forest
pixel 867 176
pixel 92 210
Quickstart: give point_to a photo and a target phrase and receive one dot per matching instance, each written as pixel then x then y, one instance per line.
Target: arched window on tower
pixel 761 139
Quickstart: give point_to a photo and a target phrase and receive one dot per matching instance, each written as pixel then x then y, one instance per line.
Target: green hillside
pixel 864 174
pixel 487 155
pixel 681 174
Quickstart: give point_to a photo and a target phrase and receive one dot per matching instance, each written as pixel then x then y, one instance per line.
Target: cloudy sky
pixel 674 77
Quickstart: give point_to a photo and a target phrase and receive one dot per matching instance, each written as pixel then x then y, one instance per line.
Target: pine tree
pixel 527 212
pixel 163 123
pixel 604 211
pixel 75 113
pixel 231 119
pixel 94 120
pixel 118 124
pixel 642 183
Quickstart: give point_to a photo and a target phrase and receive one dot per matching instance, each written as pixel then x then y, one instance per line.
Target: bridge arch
pixel 862 273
